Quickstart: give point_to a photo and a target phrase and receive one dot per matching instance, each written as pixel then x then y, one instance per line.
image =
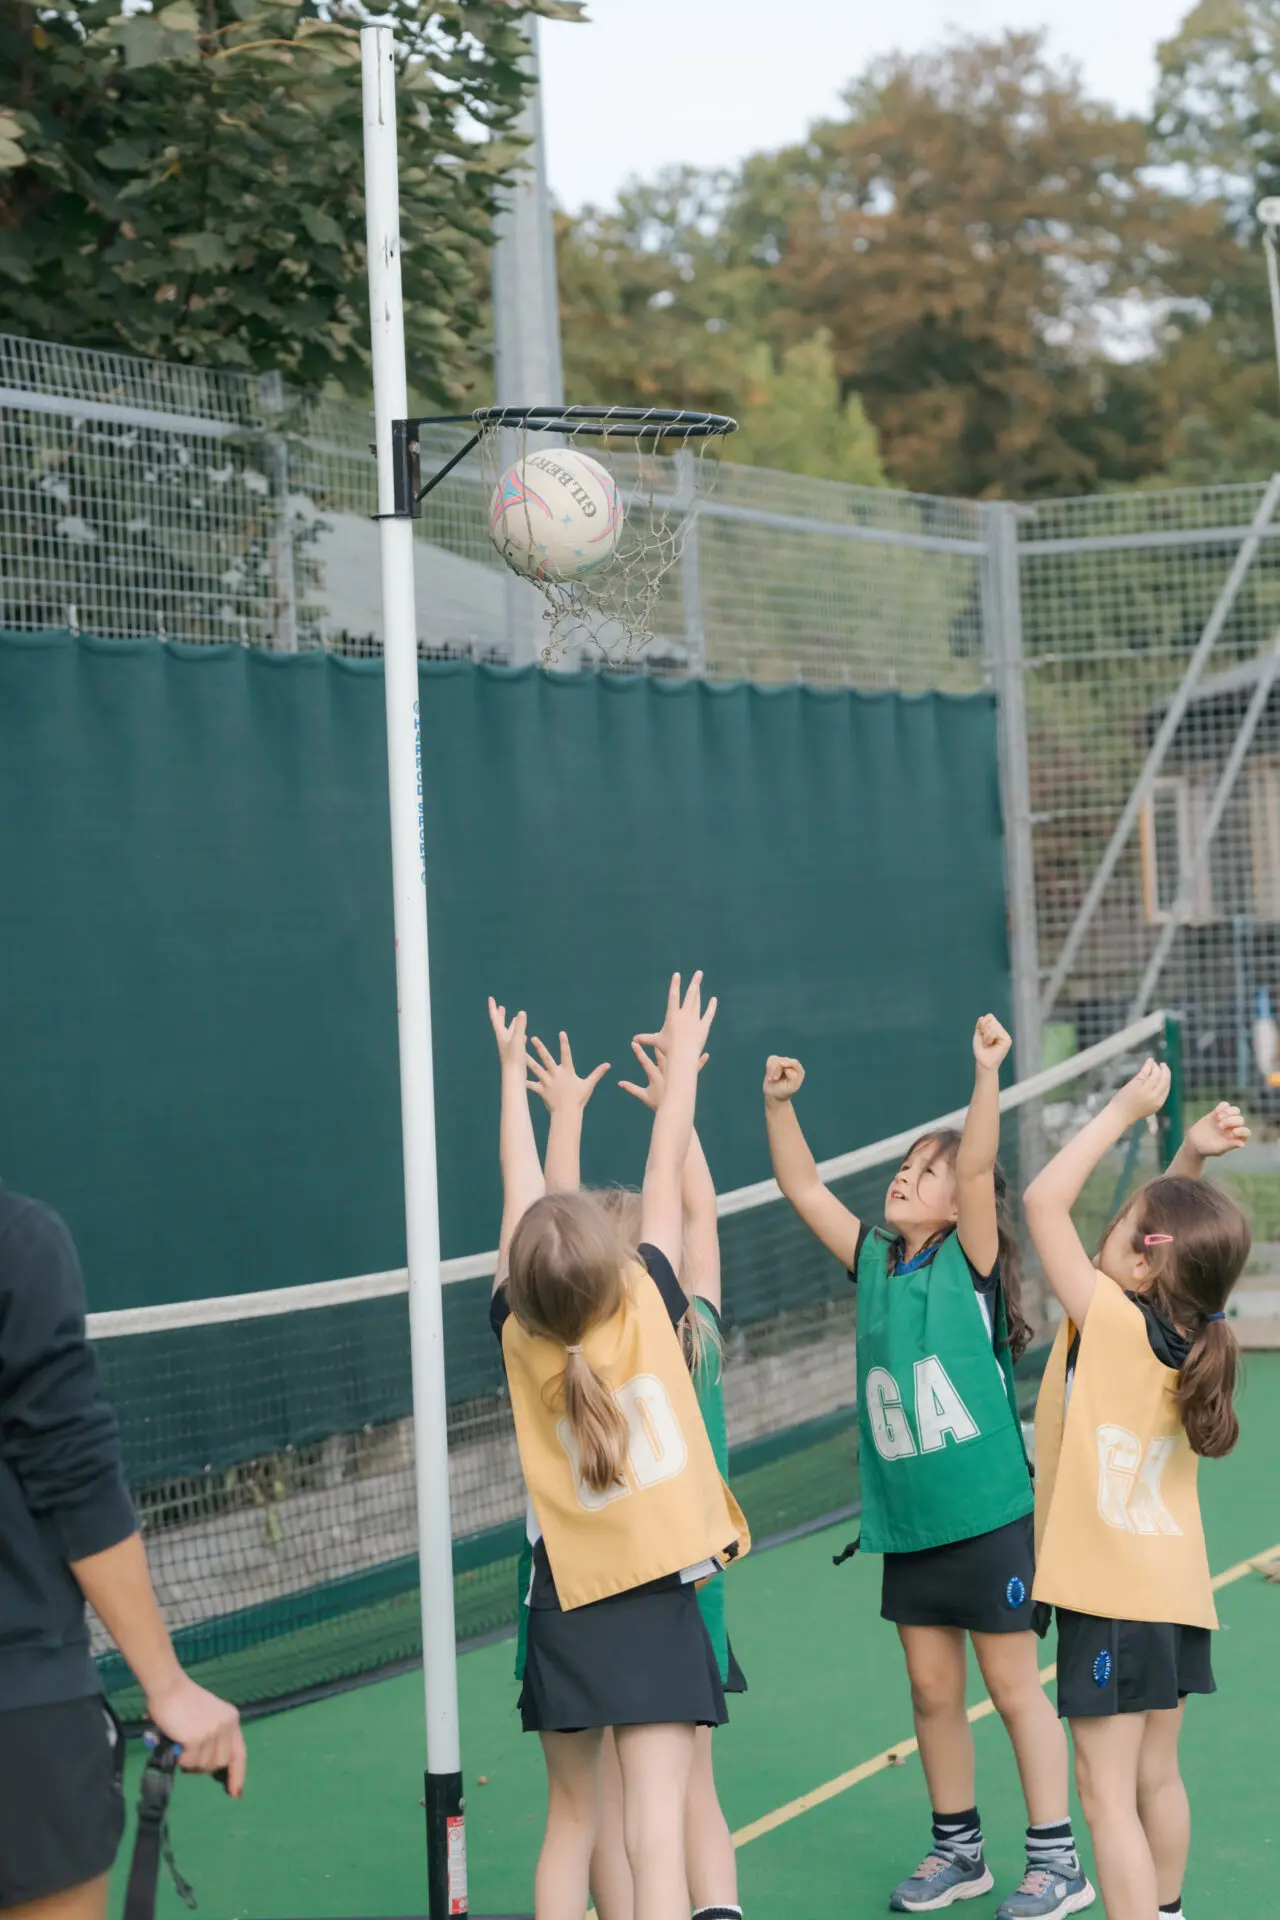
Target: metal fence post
pixel 1002 647
pixel 1002 638
pixel 695 632
pixel 286 580
pixel 271 398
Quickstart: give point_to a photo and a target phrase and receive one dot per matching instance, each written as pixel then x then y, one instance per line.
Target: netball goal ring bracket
pixel 647 427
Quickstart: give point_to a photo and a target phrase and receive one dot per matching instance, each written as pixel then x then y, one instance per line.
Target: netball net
pixel 269 1437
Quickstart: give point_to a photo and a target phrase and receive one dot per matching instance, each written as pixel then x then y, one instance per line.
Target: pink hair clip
pixel 1157 1239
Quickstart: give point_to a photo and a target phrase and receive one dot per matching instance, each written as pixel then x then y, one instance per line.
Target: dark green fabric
pixel 197 990
pixel 708 1383
pixel 197 983
pixel 922 1332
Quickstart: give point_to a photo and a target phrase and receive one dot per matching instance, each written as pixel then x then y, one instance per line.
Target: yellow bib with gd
pixel 671 1509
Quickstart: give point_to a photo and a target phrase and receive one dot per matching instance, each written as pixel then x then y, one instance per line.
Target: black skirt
pixel 982 1585
pixel 637 1659
pixel 1128 1666
pixel 61 1798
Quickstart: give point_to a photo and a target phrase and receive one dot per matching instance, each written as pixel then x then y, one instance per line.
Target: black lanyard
pixel 152 1844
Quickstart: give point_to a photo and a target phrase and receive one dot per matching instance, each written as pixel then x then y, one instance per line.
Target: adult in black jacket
pixel 68 1534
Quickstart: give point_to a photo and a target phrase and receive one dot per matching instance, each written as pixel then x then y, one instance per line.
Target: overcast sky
pixel 653 82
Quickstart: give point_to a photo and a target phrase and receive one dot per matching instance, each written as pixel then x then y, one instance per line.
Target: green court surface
pixel 331 1823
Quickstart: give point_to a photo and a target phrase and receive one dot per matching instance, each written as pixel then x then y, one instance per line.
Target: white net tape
pixel 596 516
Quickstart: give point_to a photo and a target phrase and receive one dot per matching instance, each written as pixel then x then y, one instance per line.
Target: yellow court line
pixel 895 1755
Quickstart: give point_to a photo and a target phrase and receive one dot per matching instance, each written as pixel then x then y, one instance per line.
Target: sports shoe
pixel 1048 1896
pixel 938 1882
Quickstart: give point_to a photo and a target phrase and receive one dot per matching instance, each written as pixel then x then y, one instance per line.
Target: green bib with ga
pixel 941 1448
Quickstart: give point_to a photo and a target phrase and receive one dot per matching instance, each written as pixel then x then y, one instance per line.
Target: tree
pixel 792 415
pixel 962 234
pixel 651 304
pixel 1217 118
pixel 187 181
pixel 660 304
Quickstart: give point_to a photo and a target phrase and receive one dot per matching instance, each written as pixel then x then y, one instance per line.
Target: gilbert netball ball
pixel 556 515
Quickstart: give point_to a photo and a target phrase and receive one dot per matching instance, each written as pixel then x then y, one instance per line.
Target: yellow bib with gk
pixel 1118 1530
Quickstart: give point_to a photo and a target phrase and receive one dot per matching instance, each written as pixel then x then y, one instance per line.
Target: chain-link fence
pixel 1150 627
pixel 1131 639
pixel 139 498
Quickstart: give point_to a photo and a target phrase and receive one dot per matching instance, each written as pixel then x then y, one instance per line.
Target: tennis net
pixel 268 1437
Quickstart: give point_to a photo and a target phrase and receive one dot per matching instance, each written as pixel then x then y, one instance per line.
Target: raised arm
pixel 795 1169
pixel 1049 1199
pixel 980 1148
pixel 700 1224
pixel 1219 1132
pixel 565 1097
pixel 522 1181
pixel 681 1042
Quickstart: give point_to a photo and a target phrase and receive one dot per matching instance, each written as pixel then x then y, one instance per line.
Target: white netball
pixel 556 515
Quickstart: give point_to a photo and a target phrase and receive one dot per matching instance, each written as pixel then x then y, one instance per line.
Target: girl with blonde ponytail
pixel 710 1860
pixel 1137 1390
pixel 626 1508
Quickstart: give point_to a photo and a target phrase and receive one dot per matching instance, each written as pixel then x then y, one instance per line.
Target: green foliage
pixel 1217 119
pixel 186 182
pixel 792 415
pixel 953 243
pixel 662 301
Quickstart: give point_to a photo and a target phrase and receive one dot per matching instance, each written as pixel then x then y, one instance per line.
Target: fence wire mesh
pixel 1121 597
pixel 139 498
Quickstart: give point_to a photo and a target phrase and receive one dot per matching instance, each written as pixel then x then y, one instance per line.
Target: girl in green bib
pixel 947 1495
pixel 710 1861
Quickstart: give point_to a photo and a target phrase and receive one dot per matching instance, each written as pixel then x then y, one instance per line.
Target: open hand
pixel 783 1079
pixel 687 1024
pixel 557 1080
pixel 655 1076
pixel 508 1034
pixel 1145 1094
pixel 1219 1132
pixel 991 1043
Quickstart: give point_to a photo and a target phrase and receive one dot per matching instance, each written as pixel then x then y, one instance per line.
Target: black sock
pixel 1053 1848
pixel 1173 1906
pixel 957 1836
pixel 717 1913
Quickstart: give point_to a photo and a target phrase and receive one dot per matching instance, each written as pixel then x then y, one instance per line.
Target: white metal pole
pixel 446 1844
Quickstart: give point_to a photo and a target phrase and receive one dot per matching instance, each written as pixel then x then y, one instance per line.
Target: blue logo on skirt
pixel 1015 1593
pixel 1102 1669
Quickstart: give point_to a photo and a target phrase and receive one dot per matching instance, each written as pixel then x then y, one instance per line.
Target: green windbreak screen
pixel 197 983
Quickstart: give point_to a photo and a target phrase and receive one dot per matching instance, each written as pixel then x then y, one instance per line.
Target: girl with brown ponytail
pixel 1138 1388
pixel 626 1508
